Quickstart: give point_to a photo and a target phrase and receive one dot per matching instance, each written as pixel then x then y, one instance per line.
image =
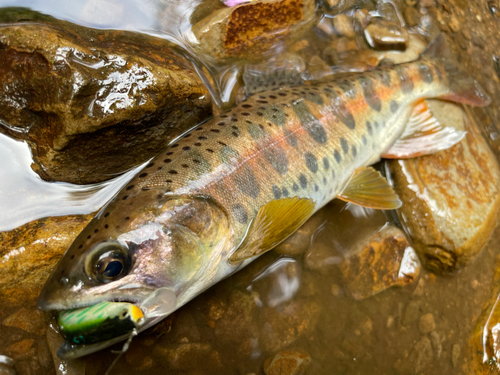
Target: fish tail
pixel 462 87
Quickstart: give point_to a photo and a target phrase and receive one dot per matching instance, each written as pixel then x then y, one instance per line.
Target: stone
pixel 455 355
pixel 318 69
pixel 83 96
pixel 451 198
pixel 381 261
pixel 426 323
pixel 415 48
pixel 343 25
pixel 28 254
pixel 252 31
pixel 21 350
pixel 436 344
pixel 289 362
pixel 31 321
pixel 383 35
pixel 189 356
pixel 333 3
pixel 412 312
pixel 412 17
pixel 421 356
pixel 7 365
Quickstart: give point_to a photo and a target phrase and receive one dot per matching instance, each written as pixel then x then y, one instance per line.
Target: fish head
pixel 129 252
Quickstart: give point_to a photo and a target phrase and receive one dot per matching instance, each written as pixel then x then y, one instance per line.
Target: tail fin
pixel 463 88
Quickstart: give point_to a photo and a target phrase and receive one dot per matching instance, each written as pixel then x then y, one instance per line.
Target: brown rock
pixel 253 30
pixel 450 207
pixel 412 17
pixel 426 323
pixel 343 25
pixel 383 260
pixel 31 321
pixel 82 96
pixel 29 254
pixel 189 356
pixel 21 350
pixel 289 362
pixel 318 69
pixel 383 35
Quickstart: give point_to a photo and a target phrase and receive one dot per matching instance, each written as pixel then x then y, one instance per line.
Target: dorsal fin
pixel 274 222
pixel 368 188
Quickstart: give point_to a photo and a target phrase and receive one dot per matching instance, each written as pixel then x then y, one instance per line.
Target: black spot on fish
pixel 246 105
pixel 222 123
pixel 185 166
pixel 314 97
pixel 311 124
pixel 344 145
pixel 125 197
pixel 311 162
pixel 348 88
pixel 290 138
pixel 326 163
pixel 370 94
pixel 166 161
pixel 336 155
pixel 303 181
pixel 394 106
pixel 186 148
pixel 149 165
pixel 246 181
pixel 215 130
pixel 285 192
pixel 282 94
pixel 106 226
pixel 405 81
pixel 425 73
pixel 130 187
pixel 173 171
pixel 275 114
pixel 295 187
pixel 276 192
pixel 363 138
pixel 240 213
pixel 276 156
pixel 202 138
pixel 142 175
pixel 354 151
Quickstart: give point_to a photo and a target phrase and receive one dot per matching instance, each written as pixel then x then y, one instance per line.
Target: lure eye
pixel 110 262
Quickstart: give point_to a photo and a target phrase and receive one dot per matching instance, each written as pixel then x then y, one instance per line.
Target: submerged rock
pixel 383 35
pixel 250 31
pixel 383 260
pixel 451 198
pixel 288 362
pixel 84 97
pixel 28 255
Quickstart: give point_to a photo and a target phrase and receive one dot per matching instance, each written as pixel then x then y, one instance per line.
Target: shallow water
pixel 294 301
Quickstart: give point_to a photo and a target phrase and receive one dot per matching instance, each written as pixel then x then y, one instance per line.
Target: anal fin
pixel 424 135
pixel 274 222
pixel 368 188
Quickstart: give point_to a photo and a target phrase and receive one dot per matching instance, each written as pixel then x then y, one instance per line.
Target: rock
pixel 7 365
pixel 451 198
pixel 436 344
pixel 28 255
pixel 343 25
pixel 189 356
pixel 383 35
pixel 286 323
pixel 426 323
pixel 412 17
pixel 82 96
pixel 415 48
pixel 333 3
pixel 73 367
pixel 289 362
pixel 253 30
pixel 412 312
pixel 21 350
pixel 31 321
pixel 421 355
pixel 318 69
pixel 383 260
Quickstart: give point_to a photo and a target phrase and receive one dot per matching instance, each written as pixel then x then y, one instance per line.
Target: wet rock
pixel 455 355
pixel 189 356
pixel 384 260
pixel 22 349
pixel 318 69
pixel 81 96
pixel 421 355
pixel 412 17
pixel 436 344
pixel 383 35
pixel 415 48
pixel 451 198
pixel 7 365
pixel 284 324
pixel 412 312
pixel 343 25
pixel 31 321
pixel 426 323
pixel 28 255
pixel 289 362
pixel 253 30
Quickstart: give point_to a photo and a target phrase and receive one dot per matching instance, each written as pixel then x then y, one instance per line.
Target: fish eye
pixel 110 261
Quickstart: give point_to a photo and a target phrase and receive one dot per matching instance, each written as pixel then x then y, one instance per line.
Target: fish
pixel 237 185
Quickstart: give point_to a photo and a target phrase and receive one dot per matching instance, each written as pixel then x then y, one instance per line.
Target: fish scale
pixel 242 182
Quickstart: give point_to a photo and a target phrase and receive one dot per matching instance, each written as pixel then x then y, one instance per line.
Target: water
pixel 292 298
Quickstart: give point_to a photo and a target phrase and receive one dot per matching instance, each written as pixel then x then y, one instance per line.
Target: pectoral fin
pixel 368 188
pixel 274 222
pixel 423 135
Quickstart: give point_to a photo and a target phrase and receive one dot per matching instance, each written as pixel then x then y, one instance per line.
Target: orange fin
pixel 274 222
pixel 423 135
pixel 368 188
